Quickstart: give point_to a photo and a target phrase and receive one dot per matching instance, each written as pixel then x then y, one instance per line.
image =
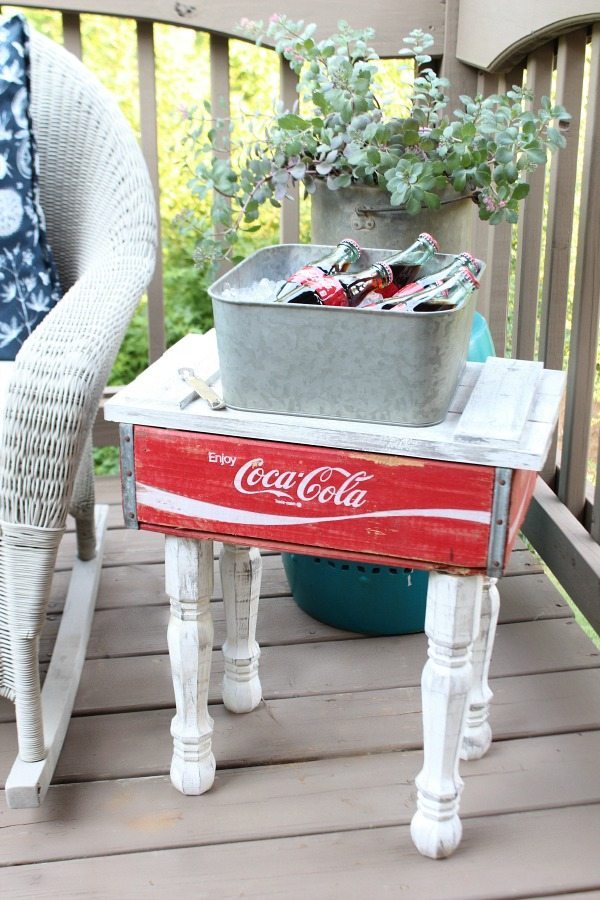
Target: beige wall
pixel 493 36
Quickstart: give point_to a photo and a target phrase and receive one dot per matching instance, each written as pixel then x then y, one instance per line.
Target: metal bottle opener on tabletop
pixel 201 389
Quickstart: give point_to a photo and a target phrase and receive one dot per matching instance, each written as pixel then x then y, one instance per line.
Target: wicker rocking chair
pixel 100 212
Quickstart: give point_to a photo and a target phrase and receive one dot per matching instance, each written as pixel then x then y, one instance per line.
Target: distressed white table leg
pixel 453 605
pixel 478 734
pixel 189 584
pixel 241 569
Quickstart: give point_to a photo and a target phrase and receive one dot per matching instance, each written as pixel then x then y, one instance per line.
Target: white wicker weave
pixel 100 212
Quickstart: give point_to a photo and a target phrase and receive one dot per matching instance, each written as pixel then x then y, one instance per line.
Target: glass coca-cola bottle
pixel 337 260
pixel 346 289
pixel 357 285
pixel 405 264
pixel 457 263
pixel 424 281
pixel 448 295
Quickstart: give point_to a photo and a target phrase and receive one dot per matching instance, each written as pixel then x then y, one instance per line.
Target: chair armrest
pixel 55 387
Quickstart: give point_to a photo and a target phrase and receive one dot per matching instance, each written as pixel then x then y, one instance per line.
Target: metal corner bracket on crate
pixel 128 475
pixel 499 521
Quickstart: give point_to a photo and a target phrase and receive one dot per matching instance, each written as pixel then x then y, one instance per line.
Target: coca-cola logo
pixel 324 484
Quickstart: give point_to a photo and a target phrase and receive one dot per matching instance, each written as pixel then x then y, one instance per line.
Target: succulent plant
pixel 343 136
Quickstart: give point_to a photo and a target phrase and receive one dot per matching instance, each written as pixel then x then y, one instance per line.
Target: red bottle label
pixel 389 290
pixel 306 273
pixel 327 287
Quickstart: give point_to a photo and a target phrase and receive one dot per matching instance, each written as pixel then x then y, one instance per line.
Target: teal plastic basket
pixel 358 596
pixel 481 344
pixel 361 597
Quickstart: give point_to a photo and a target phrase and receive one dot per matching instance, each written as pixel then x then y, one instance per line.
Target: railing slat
pixel 147 80
pixel 586 307
pixel 495 280
pixel 289 228
pixel 219 84
pixel 71 25
pixel 462 78
pixel 527 278
pixel 493 243
pixel 220 100
pixel 570 64
pixel 595 523
pixel 563 174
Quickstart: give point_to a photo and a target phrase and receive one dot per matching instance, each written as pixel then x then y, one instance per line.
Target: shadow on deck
pixel 315 789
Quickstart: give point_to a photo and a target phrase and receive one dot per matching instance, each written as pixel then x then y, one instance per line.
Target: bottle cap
pixel 469 258
pixel 424 236
pixel 349 242
pixel 386 271
pixel 468 276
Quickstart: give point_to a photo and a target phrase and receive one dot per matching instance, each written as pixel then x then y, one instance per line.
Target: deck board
pixel 326 795
pixel 325 766
pixel 132 632
pixel 138 744
pixel 114 681
pixel 352 864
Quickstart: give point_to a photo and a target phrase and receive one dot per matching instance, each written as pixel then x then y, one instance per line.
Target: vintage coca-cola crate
pixel 358 364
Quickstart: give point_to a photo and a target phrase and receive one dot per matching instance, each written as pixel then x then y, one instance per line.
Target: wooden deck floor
pixel 314 790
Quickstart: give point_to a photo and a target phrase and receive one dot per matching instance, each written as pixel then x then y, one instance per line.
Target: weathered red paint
pixel 422 511
pixel 521 492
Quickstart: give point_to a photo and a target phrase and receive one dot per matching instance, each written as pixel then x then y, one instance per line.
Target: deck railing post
pixel 289 228
pixel 148 125
pixel 586 309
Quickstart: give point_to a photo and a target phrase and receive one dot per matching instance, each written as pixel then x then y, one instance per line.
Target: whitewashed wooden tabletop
pixel 503 413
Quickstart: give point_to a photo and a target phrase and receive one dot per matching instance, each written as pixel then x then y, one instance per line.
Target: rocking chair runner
pixel 100 213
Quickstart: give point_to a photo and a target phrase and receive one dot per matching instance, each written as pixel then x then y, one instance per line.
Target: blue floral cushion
pixel 29 285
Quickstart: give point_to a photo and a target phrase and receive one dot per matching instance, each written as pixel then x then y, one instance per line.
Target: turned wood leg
pixel 189 583
pixel 478 734
pixel 241 569
pixel 453 604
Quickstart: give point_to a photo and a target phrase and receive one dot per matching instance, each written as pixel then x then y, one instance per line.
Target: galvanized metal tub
pixel 365 214
pixel 333 362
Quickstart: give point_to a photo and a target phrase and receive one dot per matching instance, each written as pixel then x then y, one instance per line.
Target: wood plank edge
pixel 568 550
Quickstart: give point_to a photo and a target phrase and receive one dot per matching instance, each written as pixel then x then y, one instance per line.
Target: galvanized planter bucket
pixel 363 365
pixel 364 213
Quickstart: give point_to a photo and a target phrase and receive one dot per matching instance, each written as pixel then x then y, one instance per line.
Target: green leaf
pixel 410 137
pixel 459 182
pixel 413 206
pixel 520 190
pixel 537 155
pixel 398 197
pixel 432 201
pixel 291 122
pixel 298 171
pixel 504 154
pixel 323 168
pixel 336 182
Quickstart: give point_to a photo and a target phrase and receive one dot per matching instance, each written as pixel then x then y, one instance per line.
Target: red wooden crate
pixel 361 505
